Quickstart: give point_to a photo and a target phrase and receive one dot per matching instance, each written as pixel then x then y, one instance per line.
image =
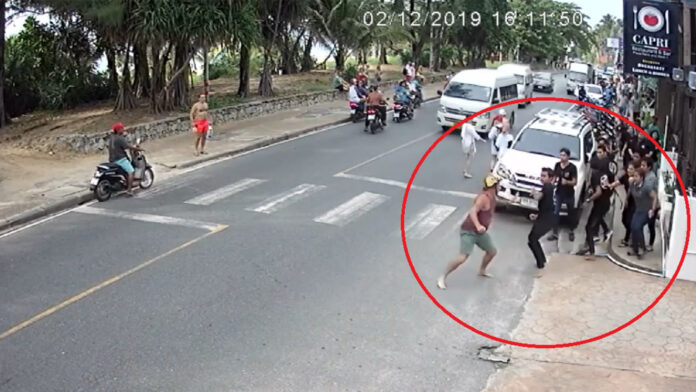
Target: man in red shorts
pixel 199 123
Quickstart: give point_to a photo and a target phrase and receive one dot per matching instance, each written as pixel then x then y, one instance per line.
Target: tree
pixel 339 25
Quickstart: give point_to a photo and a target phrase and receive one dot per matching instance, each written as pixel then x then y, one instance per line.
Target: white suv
pixel 538 145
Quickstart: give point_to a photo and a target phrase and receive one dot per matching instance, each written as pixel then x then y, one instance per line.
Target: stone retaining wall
pixel 95 142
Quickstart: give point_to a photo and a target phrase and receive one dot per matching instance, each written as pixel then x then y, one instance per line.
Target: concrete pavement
pixel 575 300
pixel 306 288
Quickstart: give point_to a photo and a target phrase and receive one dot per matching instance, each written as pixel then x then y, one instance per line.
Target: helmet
pixel 117 127
pixel 490 181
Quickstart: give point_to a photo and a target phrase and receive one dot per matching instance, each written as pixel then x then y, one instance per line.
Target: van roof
pixel 514 67
pixel 559 121
pixel 482 76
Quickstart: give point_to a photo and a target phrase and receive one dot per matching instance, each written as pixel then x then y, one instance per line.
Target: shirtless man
pixel 474 231
pixel 199 123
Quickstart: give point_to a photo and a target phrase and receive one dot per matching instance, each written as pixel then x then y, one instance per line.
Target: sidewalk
pixel 33 186
pixel 576 299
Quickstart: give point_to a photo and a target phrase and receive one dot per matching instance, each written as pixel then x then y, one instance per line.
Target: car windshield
pixel 468 91
pixel 543 76
pixel 577 76
pixel 537 141
pixel 593 89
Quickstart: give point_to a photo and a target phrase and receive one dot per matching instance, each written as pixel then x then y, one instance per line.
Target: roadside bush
pixel 51 67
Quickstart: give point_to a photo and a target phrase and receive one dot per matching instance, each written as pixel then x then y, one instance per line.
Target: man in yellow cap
pixel 474 231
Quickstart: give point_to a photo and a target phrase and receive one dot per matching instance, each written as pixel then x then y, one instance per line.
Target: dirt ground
pixel 100 116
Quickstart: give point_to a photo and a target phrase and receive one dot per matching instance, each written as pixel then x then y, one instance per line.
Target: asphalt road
pixel 282 270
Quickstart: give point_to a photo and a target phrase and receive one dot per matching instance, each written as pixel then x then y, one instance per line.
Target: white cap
pixel 501 111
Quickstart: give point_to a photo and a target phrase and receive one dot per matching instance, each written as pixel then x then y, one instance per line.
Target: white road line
pixel 427 220
pixel 43 220
pixel 277 202
pixel 169 185
pixel 403 185
pixel 226 191
pixel 352 209
pixel 166 220
pixel 388 152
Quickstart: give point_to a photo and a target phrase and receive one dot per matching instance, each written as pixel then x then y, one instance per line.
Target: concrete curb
pixel 43 210
pixel 266 142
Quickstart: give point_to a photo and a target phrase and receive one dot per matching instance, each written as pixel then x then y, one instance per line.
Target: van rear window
pixel 468 91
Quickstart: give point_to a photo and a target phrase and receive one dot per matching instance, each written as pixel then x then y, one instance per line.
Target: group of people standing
pixel 639 159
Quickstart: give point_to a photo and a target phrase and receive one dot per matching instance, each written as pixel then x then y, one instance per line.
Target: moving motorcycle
pixel 402 111
pixel 417 97
pixel 110 178
pixel 373 120
pixel 357 111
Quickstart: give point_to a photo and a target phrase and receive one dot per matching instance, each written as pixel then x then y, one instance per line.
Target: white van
pixel 525 79
pixel 473 90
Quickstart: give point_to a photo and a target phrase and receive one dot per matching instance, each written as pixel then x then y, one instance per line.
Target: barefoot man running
pixel 199 123
pixel 474 231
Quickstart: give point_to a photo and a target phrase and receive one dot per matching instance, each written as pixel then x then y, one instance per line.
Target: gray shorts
pixel 467 240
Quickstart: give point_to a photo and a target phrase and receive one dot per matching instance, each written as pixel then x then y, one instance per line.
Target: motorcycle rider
pixel 118 155
pixel 403 95
pixel 354 96
pixel 376 101
pixel 416 88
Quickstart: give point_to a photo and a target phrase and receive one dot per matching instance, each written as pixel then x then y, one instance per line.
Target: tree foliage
pixel 149 45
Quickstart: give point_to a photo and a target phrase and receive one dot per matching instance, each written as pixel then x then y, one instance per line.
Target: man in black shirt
pixel 566 177
pixel 603 184
pixel 645 147
pixel 544 220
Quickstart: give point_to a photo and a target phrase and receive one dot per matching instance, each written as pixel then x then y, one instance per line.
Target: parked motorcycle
pixel 357 112
pixel 110 178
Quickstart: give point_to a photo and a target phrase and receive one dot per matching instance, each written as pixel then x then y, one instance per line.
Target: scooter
pixel 373 120
pixel 110 178
pixel 356 111
pixel 402 111
pixel 417 98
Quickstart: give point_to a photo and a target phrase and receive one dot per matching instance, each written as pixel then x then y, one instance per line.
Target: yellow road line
pixel 105 283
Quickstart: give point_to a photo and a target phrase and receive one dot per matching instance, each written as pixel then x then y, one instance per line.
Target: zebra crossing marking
pixel 282 200
pixel 209 198
pixel 352 209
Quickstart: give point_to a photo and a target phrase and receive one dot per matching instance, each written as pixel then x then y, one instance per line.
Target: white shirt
pixel 502 142
pixel 469 138
pixel 353 94
pixel 492 134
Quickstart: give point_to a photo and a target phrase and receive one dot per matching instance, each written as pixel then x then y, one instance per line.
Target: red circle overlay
pixel 531 345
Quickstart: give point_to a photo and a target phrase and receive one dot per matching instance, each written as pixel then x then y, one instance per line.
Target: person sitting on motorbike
pixel 118 155
pixel 362 89
pixel 354 95
pixel 402 94
pixel 416 88
pixel 376 101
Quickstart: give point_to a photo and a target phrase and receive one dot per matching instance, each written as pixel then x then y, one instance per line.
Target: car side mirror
pixel 439 92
